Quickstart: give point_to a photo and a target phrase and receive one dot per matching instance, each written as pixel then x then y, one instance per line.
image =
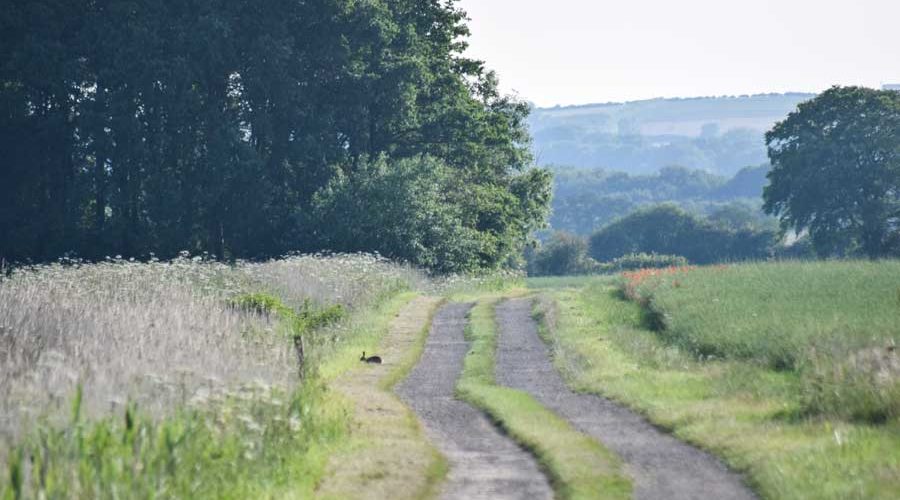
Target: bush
pixel 635 261
pixel 565 254
pixel 309 317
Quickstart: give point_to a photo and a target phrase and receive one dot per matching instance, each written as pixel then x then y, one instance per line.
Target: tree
pixel 836 170
pixel 565 254
pixel 668 230
pixel 416 211
pixel 137 126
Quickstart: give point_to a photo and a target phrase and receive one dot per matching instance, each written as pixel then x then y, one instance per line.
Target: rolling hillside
pixel 717 134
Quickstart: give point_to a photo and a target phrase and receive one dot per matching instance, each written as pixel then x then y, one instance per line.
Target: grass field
pixel 134 380
pixel 737 404
pixel 835 323
pixel 578 466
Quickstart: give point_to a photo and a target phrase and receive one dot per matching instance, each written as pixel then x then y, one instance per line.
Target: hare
pixel 370 359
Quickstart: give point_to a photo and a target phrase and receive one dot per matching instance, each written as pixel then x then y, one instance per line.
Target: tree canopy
pixel 836 171
pixel 234 127
pixel 586 200
pixel 668 230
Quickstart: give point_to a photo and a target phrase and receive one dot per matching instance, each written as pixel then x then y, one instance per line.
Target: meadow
pixel 126 378
pixel 784 370
pixel 834 323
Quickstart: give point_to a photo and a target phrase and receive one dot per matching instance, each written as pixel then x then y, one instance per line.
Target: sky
pixel 587 51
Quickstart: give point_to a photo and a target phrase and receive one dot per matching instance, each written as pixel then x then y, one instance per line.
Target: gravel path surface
pixel 483 462
pixel 661 466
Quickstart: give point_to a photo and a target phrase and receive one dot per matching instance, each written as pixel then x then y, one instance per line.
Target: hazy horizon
pixel 584 52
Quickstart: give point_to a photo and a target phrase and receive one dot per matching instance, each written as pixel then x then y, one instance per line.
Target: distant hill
pixel 717 134
pixel 585 200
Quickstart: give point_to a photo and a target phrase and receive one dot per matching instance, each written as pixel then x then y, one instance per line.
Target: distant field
pixel 717 134
pixel 757 112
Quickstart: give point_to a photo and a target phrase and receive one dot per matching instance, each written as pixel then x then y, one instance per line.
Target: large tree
pixel 137 126
pixel 836 171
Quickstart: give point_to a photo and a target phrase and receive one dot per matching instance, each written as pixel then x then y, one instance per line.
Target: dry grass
pixel 158 334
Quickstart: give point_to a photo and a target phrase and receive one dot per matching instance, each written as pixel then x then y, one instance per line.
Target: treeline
pixel 660 236
pixel 249 129
pixel 586 200
pixel 834 187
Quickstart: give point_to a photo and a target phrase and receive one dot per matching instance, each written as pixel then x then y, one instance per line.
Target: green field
pixel 834 323
pixel 813 428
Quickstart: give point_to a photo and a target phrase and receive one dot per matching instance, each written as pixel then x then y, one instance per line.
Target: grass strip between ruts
pixel 386 454
pixel 578 466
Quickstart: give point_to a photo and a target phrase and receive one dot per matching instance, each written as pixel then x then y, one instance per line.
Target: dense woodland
pixel 248 129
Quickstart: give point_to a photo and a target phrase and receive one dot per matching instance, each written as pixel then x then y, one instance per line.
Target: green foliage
pixel 863 385
pixel 668 230
pixel 423 211
pixel 836 171
pixel 217 136
pixel 585 200
pixel 635 261
pixel 251 445
pixel 833 323
pixel 261 303
pixel 309 316
pixel 565 254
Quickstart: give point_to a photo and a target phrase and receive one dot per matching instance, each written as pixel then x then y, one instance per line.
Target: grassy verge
pixel 578 466
pixel 256 441
pixel 387 454
pixel 739 409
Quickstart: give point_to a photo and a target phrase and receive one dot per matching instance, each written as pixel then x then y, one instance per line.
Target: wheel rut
pixel 661 466
pixel 483 462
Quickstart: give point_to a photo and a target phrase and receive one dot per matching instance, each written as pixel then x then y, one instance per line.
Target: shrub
pixel 565 254
pixel 635 261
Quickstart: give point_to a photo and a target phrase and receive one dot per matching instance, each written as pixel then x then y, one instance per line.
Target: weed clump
pixel 864 385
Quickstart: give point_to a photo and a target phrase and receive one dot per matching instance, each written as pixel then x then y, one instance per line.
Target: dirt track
pixel 483 462
pixel 661 466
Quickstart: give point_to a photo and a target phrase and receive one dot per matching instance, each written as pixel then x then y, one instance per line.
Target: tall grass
pixel 836 323
pixel 164 343
pixel 740 410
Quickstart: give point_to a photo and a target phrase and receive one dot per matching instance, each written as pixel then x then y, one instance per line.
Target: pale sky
pixel 583 51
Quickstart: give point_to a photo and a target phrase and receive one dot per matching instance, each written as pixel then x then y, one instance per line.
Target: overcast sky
pixel 583 51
